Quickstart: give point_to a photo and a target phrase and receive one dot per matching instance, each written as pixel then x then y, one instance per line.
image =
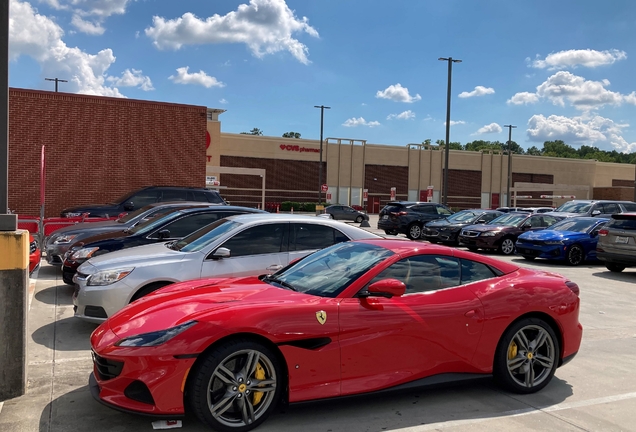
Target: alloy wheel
pixel 531 356
pixel 575 255
pixel 507 246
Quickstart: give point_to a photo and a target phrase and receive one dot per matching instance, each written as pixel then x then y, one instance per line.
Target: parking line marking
pixel 519 413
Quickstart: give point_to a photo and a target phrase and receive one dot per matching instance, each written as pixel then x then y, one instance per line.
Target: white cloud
pixel 491 128
pixel 132 78
pixel 354 122
pixel 88 27
pixel 456 122
pixel 98 10
pixel 265 26
pixel 406 115
pixel 37 36
pixel 397 93
pixel 223 101
pixel 573 58
pixel 479 91
pixel 585 129
pixel 198 78
pixel 583 94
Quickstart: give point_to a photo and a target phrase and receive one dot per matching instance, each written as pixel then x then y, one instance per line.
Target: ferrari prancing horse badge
pixel 321 316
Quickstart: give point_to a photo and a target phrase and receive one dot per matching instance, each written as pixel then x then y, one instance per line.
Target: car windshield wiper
pixel 279 282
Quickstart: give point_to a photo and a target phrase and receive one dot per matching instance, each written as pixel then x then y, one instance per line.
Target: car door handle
pixel 274 267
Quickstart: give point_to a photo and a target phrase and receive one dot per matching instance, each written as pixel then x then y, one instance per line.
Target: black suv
pixel 407 217
pixel 144 196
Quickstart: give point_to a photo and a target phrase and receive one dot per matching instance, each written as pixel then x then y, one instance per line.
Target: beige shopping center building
pixel 360 173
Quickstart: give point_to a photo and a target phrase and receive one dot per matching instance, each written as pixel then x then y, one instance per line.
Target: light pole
pixel 57 80
pixel 510 128
pixel 450 61
pixel 322 117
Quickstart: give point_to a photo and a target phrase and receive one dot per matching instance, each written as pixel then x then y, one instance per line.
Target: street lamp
pixel 510 128
pixel 450 61
pixel 322 116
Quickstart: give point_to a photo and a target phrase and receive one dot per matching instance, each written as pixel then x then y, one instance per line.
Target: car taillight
pixel 574 287
pixel 603 232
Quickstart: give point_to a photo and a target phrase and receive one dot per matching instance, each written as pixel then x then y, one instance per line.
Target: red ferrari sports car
pixel 34 254
pixel 353 318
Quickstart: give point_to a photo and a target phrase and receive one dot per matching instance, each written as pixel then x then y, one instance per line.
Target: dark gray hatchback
pixel 616 245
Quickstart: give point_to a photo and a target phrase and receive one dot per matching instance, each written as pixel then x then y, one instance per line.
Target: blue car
pixel 572 240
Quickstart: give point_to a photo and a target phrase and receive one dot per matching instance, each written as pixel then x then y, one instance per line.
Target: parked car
pixel 501 234
pixel 405 217
pixel 510 209
pixel 357 317
pixel 594 208
pixel 142 197
pixel 616 245
pixel 538 209
pixel 243 245
pixel 34 254
pixel 447 230
pixel 572 240
pixel 59 242
pixel 172 226
pixel 344 212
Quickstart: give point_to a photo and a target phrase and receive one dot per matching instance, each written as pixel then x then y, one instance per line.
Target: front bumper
pixel 480 242
pixel 555 252
pixel 96 303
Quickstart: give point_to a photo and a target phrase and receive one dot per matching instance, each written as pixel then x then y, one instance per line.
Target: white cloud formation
pixel 397 93
pixel 40 38
pixel 98 10
pixel 132 78
pixel 265 26
pixel 198 78
pixel 88 27
pixel 490 128
pixel 354 122
pixel 405 115
pixel 223 101
pixel 573 58
pixel 585 129
pixel 479 91
pixel 456 122
pixel 583 94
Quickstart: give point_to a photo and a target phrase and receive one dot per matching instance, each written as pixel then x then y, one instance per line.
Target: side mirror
pixel 129 206
pixel 596 212
pixel 221 253
pixel 386 288
pixel 163 234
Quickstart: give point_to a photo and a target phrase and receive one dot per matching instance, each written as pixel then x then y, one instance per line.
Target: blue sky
pixel 555 69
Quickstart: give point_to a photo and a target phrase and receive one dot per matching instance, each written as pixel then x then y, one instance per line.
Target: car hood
pixel 487 227
pixel 152 254
pixel 565 214
pixel 445 223
pixel 197 300
pixel 548 234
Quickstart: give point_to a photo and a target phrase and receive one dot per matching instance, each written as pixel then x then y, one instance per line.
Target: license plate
pixel 620 239
pixel 385 217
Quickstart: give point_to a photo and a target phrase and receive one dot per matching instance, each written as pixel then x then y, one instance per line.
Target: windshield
pixel 206 235
pixel 131 216
pixel 509 219
pixel 575 207
pixel 574 225
pixel 328 272
pixel 151 224
pixel 462 216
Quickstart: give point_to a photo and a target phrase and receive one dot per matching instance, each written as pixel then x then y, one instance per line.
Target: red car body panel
pixel 35 256
pixel 371 343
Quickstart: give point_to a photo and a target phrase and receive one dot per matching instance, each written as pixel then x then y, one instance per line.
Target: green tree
pixel 291 135
pixel 452 146
pixel 559 149
pixel 255 131
pixel 533 151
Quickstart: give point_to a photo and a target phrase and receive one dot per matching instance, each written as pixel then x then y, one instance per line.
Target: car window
pixel 574 207
pixel 423 273
pixel 462 216
pixel 314 236
pixel 473 271
pixel 622 224
pixel 258 240
pixel 189 224
pixel 548 221
pixel 489 216
pixel 428 209
pixel 443 211
pixel 610 208
pixel 173 195
pixel 213 197
pixel 144 198
pixel 629 207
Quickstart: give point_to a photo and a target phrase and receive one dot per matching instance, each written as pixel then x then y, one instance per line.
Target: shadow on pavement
pixel 67 334
pixel 624 276
pixel 59 294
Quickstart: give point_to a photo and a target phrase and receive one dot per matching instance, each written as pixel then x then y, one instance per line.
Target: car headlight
pixel 64 239
pixel 490 233
pixel 154 338
pixel 108 277
pixel 554 242
pixel 84 253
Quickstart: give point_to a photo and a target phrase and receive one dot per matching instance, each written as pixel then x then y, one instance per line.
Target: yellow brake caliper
pixel 512 350
pixel 259 374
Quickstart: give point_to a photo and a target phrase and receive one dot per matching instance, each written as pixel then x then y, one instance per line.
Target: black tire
pixel 615 268
pixel 507 246
pixel 528 257
pixel 148 289
pixel 390 232
pixel 359 219
pixel 575 255
pixel 414 231
pixel 526 369
pixel 232 387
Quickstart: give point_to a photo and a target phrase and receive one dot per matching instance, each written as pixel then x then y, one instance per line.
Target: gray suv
pixel 616 245
pixel 593 208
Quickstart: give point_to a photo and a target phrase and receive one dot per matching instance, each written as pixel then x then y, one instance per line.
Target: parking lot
pixel 594 392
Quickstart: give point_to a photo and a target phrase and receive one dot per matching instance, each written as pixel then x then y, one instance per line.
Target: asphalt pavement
pixel 595 392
